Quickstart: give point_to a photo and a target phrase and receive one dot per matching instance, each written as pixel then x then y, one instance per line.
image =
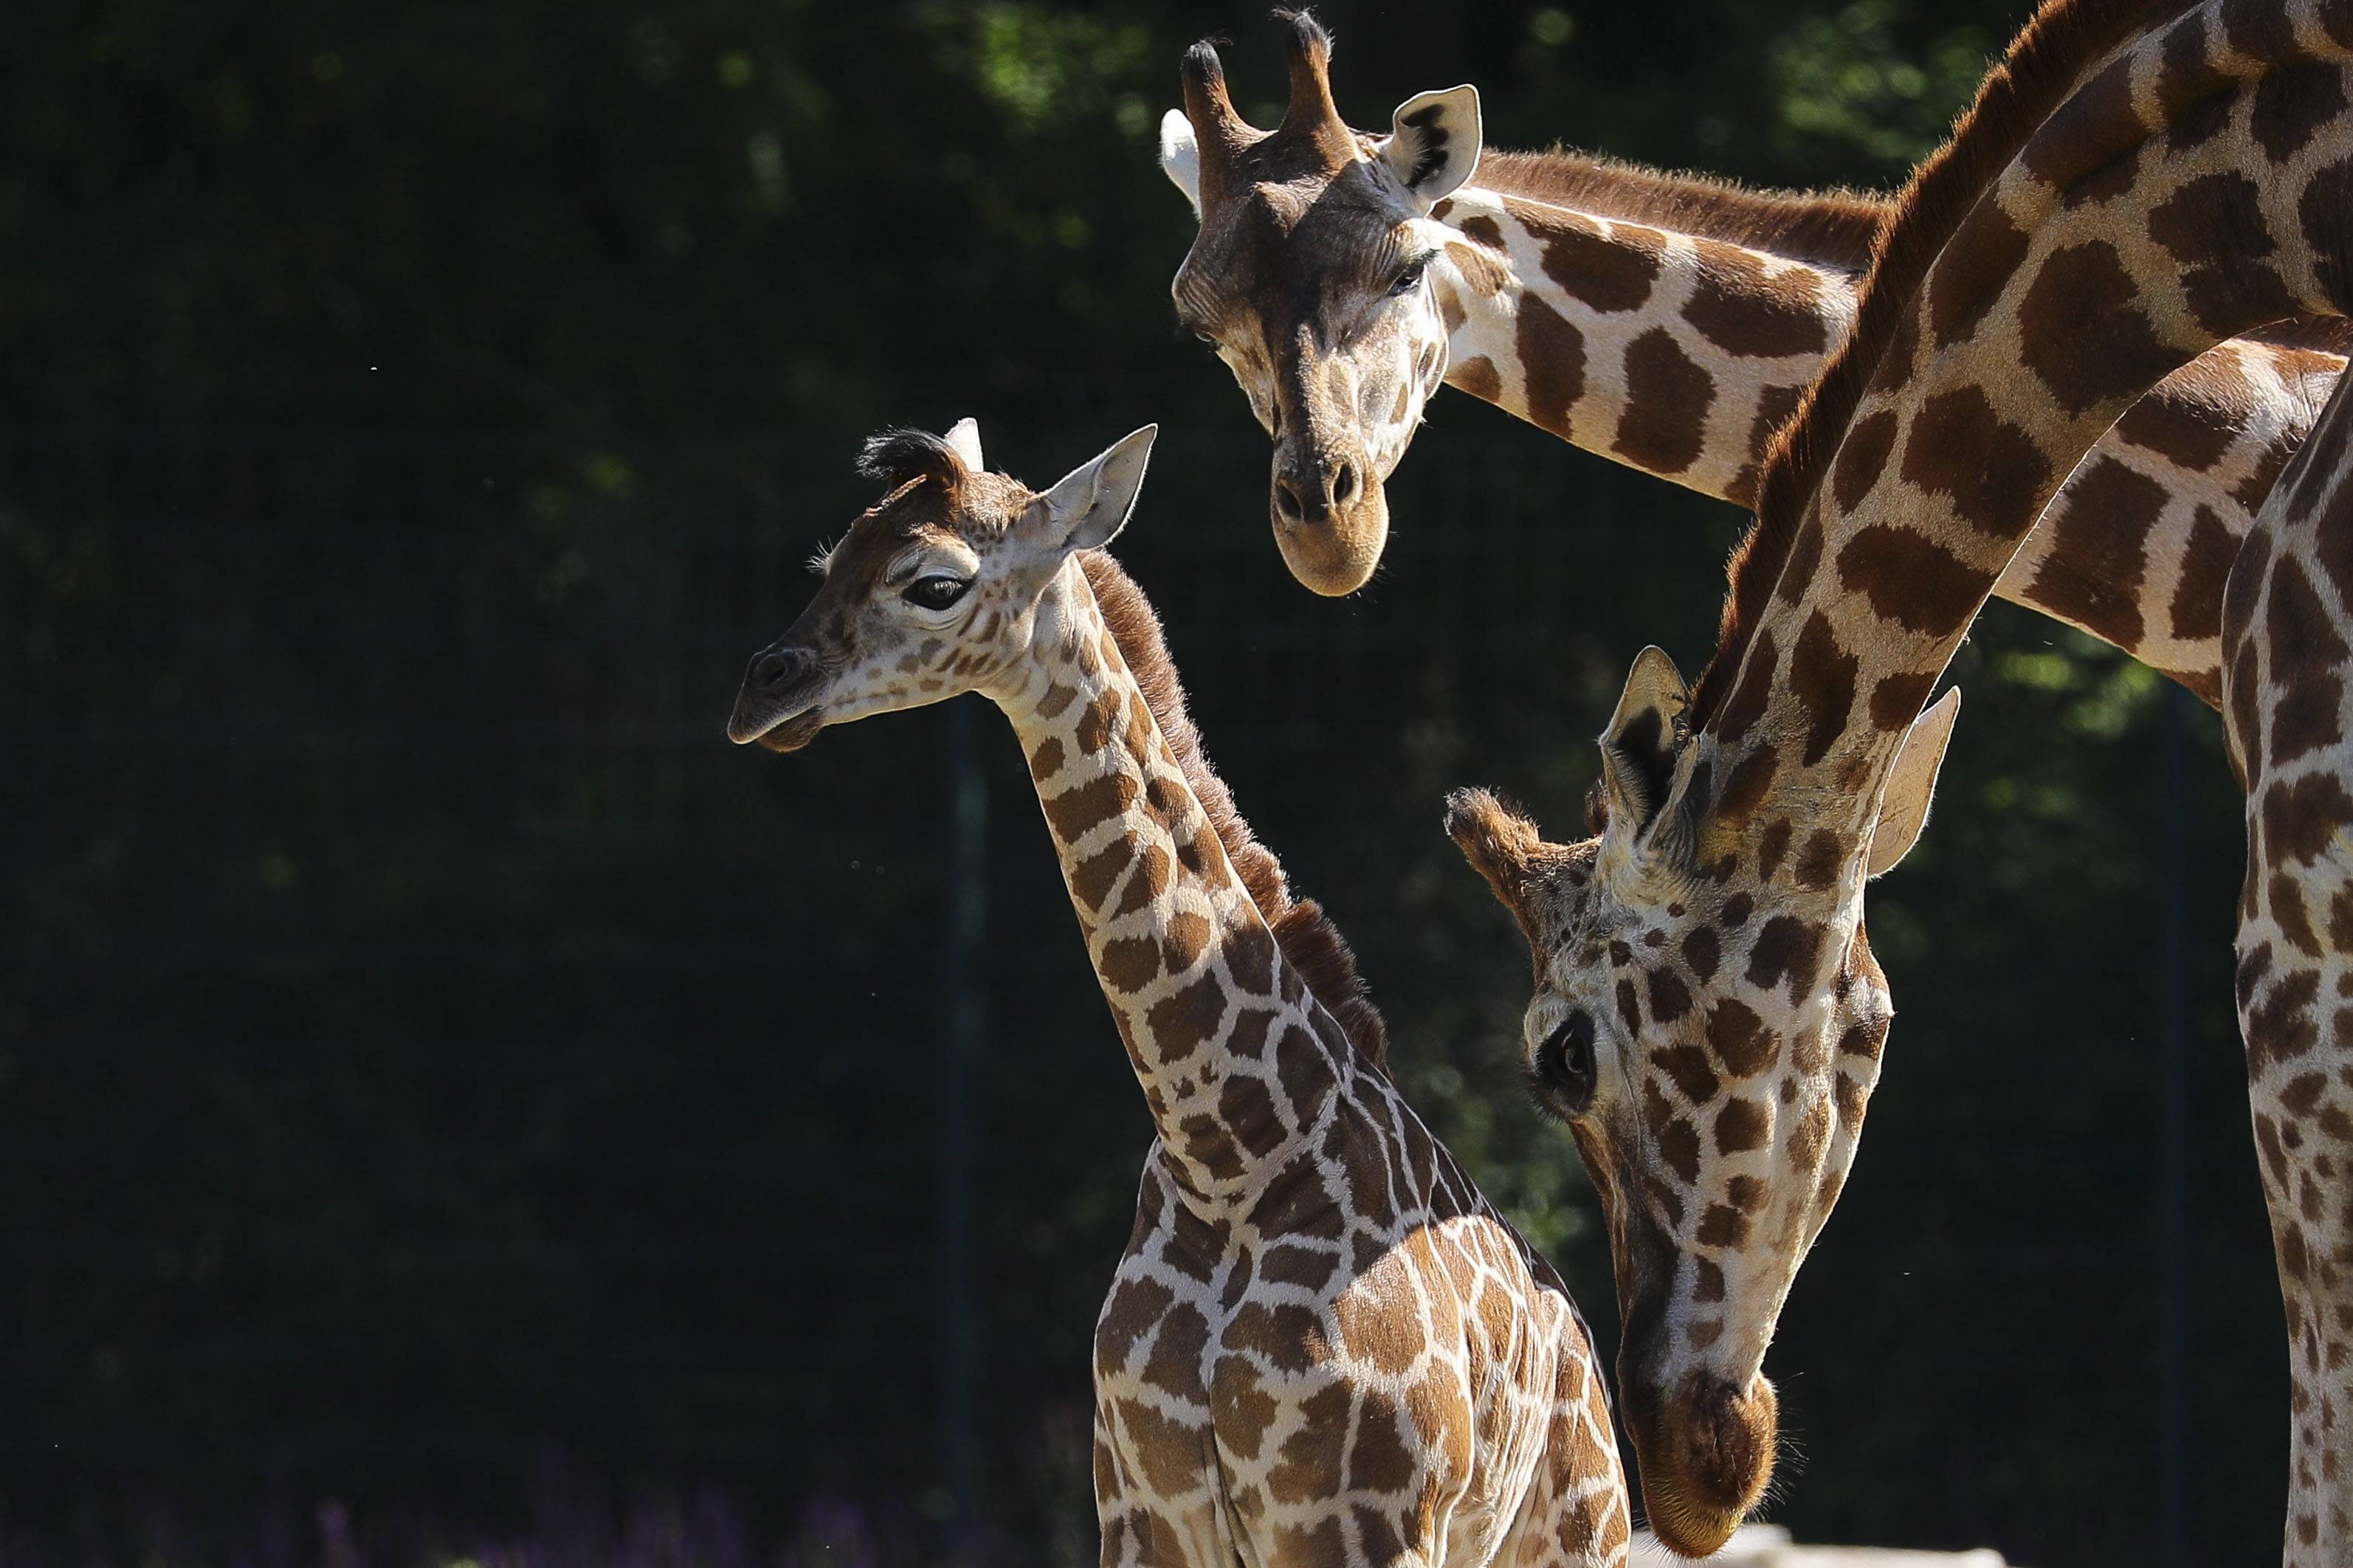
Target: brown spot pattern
pixel 1612 273
pixel 1821 679
pixel 1787 948
pixel 1990 469
pixel 1736 307
pixel 1478 376
pixel 1552 359
pixel 2084 331
pixel 2195 612
pixel 1741 1041
pixel 1912 580
pixel 1663 426
pixel 2099 550
pixel 1969 277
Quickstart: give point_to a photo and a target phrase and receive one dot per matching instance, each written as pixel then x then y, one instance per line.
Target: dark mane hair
pixel 1829 228
pixel 1310 943
pixel 900 456
pixel 2032 79
pixel 2315 334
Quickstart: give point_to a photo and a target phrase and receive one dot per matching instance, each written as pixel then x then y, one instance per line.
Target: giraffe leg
pixel 2299 1032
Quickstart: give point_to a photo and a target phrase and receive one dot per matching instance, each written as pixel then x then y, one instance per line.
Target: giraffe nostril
pixel 1344 484
pixel 1286 501
pixel 775 667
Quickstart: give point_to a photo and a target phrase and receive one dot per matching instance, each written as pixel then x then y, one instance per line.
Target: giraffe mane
pixel 2034 76
pixel 901 457
pixel 1310 942
pixel 2319 334
pixel 1829 228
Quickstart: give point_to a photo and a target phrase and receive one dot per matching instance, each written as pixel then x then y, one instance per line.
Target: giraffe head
pixel 1711 1040
pixel 935 590
pixel 1313 279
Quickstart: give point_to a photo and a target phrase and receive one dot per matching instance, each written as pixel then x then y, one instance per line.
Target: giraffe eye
pixel 1410 279
pixel 937 592
pixel 1563 1067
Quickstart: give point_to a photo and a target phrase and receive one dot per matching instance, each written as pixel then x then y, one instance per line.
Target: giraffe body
pixel 2137 183
pixel 1322 1344
pixel 1673 323
pixel 2286 682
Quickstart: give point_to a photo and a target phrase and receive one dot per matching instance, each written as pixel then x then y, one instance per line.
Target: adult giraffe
pixel 1322 1344
pixel 2135 183
pixel 1667 321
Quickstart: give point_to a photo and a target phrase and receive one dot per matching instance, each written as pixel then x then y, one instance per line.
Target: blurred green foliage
pixel 424 1043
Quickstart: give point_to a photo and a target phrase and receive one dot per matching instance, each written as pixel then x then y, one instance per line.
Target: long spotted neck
pixel 1238 1060
pixel 1681 353
pixel 2124 239
pixel 1671 352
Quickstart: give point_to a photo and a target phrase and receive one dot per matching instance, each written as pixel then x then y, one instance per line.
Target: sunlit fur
pixel 1318 1331
pixel 1313 277
pixel 2121 197
pixel 1701 1420
pixel 866 651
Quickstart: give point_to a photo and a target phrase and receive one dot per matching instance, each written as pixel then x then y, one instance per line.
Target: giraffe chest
pixel 1247 1381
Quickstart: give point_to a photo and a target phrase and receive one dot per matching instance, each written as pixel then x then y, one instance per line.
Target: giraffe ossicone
pixel 2133 183
pixel 1322 1344
pixel 1670 322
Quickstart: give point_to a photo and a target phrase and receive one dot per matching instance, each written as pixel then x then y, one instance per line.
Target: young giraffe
pixel 1667 321
pixel 2135 183
pixel 1322 1344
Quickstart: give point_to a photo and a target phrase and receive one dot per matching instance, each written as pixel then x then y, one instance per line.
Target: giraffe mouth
pixel 788 735
pixel 1706 1455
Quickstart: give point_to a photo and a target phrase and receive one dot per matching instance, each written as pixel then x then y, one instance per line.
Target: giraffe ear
pixel 1180 156
pixel 1903 804
pixel 1434 140
pixel 1089 505
pixel 964 436
pixel 1639 747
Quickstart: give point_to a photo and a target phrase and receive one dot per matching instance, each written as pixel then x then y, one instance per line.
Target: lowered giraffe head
pixel 1311 276
pixel 934 591
pixel 1717 1133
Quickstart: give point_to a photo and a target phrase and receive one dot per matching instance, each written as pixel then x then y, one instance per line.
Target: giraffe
pixel 1667 321
pixel 2135 182
pixel 2288 668
pixel 1322 1344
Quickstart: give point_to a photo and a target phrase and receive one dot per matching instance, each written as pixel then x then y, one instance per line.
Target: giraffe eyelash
pixel 1532 1083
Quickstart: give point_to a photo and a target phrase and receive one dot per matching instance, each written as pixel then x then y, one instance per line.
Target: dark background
pixel 449 1095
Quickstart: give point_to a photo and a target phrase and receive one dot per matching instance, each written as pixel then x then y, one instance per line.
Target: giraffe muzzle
pixel 1705 1452
pixel 1331 522
pixel 775 706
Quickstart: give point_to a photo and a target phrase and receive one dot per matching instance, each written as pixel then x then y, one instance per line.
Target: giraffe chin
pixel 794 732
pixel 1706 1455
pixel 1336 556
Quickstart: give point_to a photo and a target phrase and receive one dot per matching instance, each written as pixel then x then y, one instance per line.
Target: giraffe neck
pixel 1236 1059
pixel 1680 348
pixel 2115 246
pixel 1672 351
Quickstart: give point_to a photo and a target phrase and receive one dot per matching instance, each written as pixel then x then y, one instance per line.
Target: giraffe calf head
pixel 1708 1021
pixel 1323 282
pixel 935 590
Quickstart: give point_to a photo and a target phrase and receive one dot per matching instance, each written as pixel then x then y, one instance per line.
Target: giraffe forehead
pixel 975 516
pixel 1278 249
